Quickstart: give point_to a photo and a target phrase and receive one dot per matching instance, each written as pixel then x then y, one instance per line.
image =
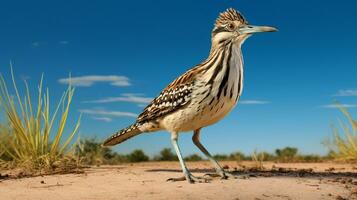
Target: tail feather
pixel 123 135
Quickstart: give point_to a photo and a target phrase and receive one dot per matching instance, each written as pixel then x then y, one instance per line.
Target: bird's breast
pixel 214 95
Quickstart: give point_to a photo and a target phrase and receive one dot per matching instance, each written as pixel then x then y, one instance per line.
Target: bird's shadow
pixel 177 170
pixel 281 172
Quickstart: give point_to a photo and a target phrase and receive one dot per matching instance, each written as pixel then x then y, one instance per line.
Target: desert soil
pixel 148 181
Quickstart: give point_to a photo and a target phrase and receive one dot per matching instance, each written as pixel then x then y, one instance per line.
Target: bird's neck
pixel 222 56
pixel 223 70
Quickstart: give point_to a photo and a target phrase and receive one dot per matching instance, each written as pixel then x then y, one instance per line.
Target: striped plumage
pixel 204 94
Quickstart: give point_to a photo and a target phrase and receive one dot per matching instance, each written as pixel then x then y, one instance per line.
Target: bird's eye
pixel 230 26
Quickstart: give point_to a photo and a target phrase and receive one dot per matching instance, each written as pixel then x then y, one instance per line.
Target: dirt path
pixel 148 181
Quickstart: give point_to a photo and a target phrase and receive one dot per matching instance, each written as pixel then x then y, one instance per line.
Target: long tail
pixel 123 135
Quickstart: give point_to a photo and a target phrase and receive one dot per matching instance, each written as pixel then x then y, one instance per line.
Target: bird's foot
pixel 191 179
pixel 227 175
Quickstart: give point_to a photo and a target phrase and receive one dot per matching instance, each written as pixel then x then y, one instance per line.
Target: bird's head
pixel 231 26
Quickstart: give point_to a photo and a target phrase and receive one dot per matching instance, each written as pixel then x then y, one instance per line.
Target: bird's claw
pixel 191 179
pixel 227 175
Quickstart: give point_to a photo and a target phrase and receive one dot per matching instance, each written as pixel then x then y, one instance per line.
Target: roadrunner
pixel 203 95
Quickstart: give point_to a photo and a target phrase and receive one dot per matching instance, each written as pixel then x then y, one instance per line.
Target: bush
pixel 137 156
pixel 91 152
pixel 166 155
pixel 265 156
pixel 344 147
pixel 193 157
pixel 310 158
pixel 117 159
pixel 237 156
pixel 258 159
pixel 33 141
pixel 5 136
pixel 221 157
pixel 286 154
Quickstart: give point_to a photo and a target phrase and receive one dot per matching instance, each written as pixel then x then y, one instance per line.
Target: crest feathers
pixel 229 15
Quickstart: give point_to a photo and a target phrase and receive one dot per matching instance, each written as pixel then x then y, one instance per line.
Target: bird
pixel 201 96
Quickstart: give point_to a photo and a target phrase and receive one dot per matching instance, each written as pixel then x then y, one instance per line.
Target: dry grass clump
pixel 34 139
pixel 343 145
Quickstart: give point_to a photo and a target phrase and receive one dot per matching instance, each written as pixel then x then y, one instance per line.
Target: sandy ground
pixel 148 181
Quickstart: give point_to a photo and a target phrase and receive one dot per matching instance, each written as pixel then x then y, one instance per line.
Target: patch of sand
pixel 148 181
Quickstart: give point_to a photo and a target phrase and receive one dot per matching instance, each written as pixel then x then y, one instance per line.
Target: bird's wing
pixel 175 96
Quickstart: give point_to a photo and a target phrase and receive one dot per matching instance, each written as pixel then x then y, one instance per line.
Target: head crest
pixel 229 15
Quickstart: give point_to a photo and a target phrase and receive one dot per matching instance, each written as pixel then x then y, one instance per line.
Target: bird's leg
pixel 219 169
pixel 187 175
pixel 196 141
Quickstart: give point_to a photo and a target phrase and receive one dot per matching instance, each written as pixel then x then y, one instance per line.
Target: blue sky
pixel 124 53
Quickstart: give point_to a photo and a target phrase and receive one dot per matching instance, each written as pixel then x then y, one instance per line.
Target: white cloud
pixel 105 113
pixel 105 119
pixel 87 81
pixel 340 105
pixel 35 44
pixel 128 97
pixel 253 102
pixel 63 42
pixel 25 77
pixel 345 93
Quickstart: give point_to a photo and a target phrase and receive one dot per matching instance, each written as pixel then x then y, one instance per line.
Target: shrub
pixel 286 154
pixel 166 155
pixel 117 159
pixel 193 157
pixel 265 156
pixel 344 147
pixel 258 159
pixel 137 156
pixel 90 152
pixel 32 126
pixel 237 156
pixel 310 158
pixel 5 136
pixel 221 157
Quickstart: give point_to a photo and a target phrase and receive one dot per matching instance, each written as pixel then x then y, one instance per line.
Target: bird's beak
pixel 249 29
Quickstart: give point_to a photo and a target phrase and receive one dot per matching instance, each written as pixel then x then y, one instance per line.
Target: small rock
pixel 354 192
pixel 281 169
pixel 4 176
pixel 42 182
pixel 336 179
pixel 338 197
pixel 330 169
